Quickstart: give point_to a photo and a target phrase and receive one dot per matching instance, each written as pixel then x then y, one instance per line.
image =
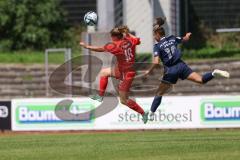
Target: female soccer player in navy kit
pixel 166 50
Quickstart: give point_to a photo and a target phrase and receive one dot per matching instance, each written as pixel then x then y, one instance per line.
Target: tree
pixel 34 24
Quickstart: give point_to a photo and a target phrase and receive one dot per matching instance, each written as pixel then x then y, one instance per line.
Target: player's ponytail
pixel 159 21
pixel 124 29
pixel 115 32
pixel 157 26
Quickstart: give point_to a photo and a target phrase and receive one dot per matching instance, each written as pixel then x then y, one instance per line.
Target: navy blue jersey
pixel 167 50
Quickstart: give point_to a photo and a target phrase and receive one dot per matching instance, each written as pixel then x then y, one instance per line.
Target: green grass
pixel 166 145
pixel 37 57
pixel 32 57
pixel 208 53
pixel 201 54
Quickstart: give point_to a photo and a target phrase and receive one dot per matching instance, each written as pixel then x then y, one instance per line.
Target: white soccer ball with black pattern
pixel 90 18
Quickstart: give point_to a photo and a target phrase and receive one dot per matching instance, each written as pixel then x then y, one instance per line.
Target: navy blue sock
pixel 156 102
pixel 207 77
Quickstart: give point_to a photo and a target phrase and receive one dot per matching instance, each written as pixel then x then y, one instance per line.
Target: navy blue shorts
pixel 173 73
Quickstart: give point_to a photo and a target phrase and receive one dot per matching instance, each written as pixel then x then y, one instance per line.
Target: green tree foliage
pixel 32 24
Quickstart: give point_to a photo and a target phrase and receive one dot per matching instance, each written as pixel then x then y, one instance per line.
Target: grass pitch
pixel 147 145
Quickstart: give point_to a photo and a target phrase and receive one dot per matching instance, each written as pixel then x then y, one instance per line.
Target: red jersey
pixel 125 51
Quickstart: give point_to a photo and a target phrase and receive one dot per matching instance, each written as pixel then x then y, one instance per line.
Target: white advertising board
pixel 175 112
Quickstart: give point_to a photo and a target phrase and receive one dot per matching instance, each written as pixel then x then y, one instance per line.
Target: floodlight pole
pixel 105 10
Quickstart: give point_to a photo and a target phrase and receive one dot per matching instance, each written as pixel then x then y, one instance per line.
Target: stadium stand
pixel 29 81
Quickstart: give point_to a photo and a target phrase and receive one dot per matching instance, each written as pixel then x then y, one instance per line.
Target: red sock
pixel 134 106
pixel 103 85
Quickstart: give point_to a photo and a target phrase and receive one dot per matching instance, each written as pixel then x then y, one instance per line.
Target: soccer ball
pixel 90 18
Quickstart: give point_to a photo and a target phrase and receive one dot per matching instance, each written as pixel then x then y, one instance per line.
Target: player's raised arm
pixel 92 48
pixel 186 37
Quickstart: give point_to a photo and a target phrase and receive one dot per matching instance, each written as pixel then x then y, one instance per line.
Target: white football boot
pixel 219 73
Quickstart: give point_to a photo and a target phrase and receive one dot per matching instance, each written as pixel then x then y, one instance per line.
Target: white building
pixel 139 16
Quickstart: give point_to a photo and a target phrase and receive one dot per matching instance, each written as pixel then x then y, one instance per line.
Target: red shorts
pixel 126 79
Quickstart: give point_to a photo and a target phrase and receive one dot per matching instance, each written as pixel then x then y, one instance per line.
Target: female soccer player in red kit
pixel 123 47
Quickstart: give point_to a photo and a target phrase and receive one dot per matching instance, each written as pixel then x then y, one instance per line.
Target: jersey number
pixel 170 51
pixel 128 54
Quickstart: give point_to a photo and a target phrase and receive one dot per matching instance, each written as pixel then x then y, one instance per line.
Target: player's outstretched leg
pixel 104 75
pixel 163 88
pixel 133 105
pixel 102 88
pixel 195 77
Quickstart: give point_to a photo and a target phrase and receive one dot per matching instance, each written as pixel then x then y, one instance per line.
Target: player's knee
pixel 104 73
pixel 123 101
pixel 160 93
pixel 200 81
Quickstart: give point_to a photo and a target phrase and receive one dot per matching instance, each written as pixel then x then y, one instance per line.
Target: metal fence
pixel 213 14
pixel 67 57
